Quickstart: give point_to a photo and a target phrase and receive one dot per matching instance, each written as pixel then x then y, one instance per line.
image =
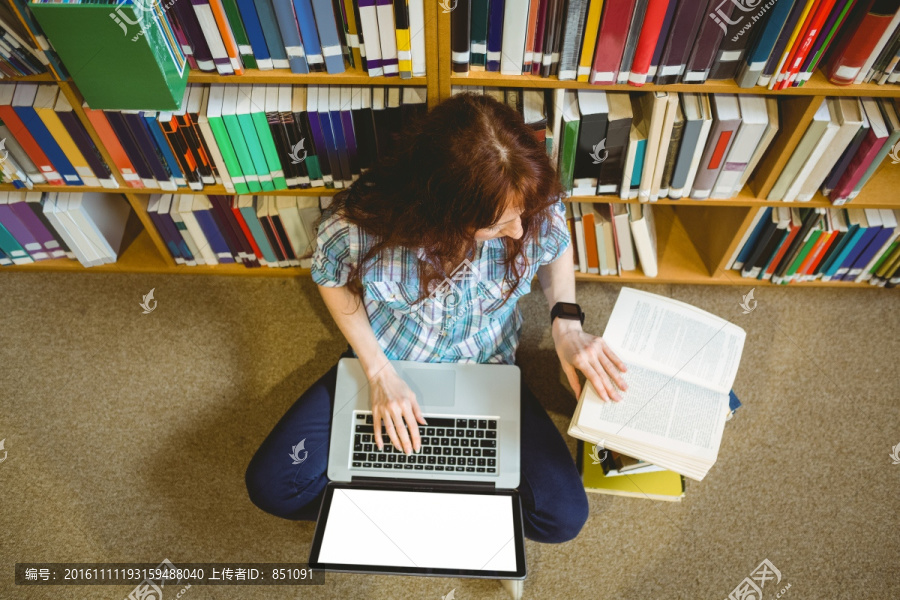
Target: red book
pixel 611 41
pixel 870 146
pixel 243 225
pixel 832 235
pixel 29 145
pixel 643 54
pixel 859 40
pixel 781 250
pixel 719 152
pixel 811 28
pixel 539 38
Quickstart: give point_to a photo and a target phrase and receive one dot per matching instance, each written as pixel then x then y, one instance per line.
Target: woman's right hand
pixel 394 403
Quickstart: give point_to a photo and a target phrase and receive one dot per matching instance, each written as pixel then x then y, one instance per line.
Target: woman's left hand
pixel 592 356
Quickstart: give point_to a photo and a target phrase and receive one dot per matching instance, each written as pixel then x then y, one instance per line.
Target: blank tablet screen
pixel 436 530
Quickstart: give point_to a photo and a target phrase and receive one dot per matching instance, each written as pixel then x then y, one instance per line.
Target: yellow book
pixel 659 485
pixel 352 34
pixel 591 28
pixel 43 106
pixel 787 49
pixel 404 51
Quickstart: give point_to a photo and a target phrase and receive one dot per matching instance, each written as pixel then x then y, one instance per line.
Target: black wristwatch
pixel 567 310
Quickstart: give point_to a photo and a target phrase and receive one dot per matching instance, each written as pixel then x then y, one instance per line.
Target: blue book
pixel 253 224
pixel 747 250
pixel 866 255
pixel 163 144
pixel 328 137
pixel 328 36
pixel 311 46
pixel 340 143
pixel 290 34
pixel 255 34
pixel 23 99
pixel 638 164
pixel 868 234
pixel 148 148
pixel 495 35
pixel 761 47
pixel 266 14
pixel 854 232
pixel 211 231
pixel 12 248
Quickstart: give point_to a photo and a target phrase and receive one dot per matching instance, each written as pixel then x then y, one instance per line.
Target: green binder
pixel 120 57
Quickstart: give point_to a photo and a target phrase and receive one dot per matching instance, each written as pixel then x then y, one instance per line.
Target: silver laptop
pixel 449 510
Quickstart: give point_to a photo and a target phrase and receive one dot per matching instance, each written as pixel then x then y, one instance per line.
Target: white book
pixel 768 136
pixel 293 226
pixel 194 105
pixel 387 36
pixel 669 377
pixel 818 151
pixel 600 240
pixel 653 106
pixel 214 109
pixel 754 121
pixel 559 99
pixel 369 25
pixel 643 231
pixel 51 211
pixel 215 154
pixel 185 209
pixel 515 25
pixel 706 115
pixel 91 248
pixel 634 138
pixel 623 236
pixel 579 237
pixel 213 38
pixel 848 112
pixel 671 109
pixel 417 41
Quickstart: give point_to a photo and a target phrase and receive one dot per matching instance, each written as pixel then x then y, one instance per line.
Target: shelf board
pixel 32 78
pixel 816 86
pixel 348 77
pixel 210 190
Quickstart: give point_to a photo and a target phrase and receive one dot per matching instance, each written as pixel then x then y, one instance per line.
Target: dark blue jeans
pixel 554 503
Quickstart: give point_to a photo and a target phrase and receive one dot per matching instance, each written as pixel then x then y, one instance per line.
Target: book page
pixel 676 339
pixel 660 410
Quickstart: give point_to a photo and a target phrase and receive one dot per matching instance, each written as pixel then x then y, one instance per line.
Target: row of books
pixel 787 245
pixel 273 231
pixel 229 36
pixel 247 138
pixel 775 44
pixel 843 146
pixel 37 226
pixel 612 238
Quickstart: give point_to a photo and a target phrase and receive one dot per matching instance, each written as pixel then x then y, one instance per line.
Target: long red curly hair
pixel 453 171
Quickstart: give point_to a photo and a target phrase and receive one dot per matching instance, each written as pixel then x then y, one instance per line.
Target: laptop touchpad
pixel 432 387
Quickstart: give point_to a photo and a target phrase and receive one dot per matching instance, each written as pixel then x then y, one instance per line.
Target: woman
pixel 467 204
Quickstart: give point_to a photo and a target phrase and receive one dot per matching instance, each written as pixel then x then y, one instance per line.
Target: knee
pixel 278 495
pixel 564 518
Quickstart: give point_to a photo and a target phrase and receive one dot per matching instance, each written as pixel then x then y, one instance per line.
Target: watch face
pixel 569 310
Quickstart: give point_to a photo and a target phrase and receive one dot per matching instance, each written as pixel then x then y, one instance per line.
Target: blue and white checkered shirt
pixel 461 320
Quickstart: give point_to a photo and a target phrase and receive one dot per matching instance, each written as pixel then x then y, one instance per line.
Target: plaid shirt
pixel 461 320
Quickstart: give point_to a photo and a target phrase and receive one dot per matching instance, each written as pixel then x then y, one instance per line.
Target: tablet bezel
pixel 518 530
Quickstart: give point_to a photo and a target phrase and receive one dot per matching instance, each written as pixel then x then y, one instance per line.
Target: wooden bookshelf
pixel 695 238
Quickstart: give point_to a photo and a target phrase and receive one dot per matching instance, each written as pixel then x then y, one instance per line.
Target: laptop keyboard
pixel 457 445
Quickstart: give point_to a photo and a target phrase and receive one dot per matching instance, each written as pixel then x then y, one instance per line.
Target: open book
pixel 681 362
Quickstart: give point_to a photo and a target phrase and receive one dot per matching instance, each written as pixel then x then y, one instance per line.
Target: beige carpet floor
pixel 128 435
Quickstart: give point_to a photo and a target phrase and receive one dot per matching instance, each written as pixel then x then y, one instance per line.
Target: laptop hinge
pixel 419 484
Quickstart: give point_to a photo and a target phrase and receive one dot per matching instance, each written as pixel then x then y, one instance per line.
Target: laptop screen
pixel 412 530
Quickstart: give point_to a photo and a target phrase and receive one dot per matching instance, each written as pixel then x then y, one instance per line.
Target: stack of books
pixel 772 44
pixel 37 226
pixel 273 231
pixel 681 364
pixel 18 54
pixel 18 38
pixel 610 239
pixel 786 245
